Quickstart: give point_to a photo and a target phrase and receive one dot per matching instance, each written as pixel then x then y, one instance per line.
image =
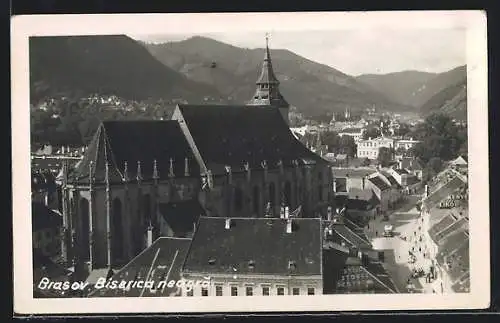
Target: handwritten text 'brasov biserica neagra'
pixel 188 285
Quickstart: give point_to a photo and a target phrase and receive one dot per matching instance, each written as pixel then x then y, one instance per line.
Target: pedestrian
pixel 376 233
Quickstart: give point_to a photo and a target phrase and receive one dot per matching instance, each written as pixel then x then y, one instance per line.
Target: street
pixel 396 248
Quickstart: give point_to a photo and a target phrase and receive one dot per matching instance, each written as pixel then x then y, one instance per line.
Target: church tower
pixel 267 92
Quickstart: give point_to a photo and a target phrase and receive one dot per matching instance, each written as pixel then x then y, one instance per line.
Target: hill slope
pixel 412 87
pixel 398 86
pixel 107 65
pixel 452 101
pixel 313 88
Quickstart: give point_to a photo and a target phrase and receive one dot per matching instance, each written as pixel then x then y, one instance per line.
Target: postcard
pixel 250 162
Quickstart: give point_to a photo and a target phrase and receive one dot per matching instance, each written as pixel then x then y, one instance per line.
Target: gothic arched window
pixel 272 193
pixel 117 230
pixel 238 199
pixel 256 199
pixel 85 228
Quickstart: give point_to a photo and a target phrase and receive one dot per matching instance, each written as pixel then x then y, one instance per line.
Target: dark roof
pixel 164 257
pixel 233 135
pixel 262 241
pixel 133 141
pixel 43 217
pixel 451 243
pixel 391 179
pixel 379 182
pixel 180 216
pixel 401 171
pixel 356 240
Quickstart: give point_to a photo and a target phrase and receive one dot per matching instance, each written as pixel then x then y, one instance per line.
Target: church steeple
pixel 267 92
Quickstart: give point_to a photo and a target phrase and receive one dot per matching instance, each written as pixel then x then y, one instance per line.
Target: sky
pixel 355 52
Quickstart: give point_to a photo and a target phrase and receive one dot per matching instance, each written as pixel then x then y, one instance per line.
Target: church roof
pixel 118 142
pixel 181 215
pixel 267 75
pixel 244 247
pixel 233 135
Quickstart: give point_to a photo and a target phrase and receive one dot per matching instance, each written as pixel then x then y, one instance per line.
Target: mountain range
pixel 427 92
pixel 112 65
pixel 201 69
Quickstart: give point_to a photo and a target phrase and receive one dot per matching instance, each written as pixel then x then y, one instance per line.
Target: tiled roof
pixel 391 179
pixel 441 224
pixel 162 260
pixel 334 261
pixel 356 240
pixel 180 216
pixel 462 285
pixel 132 141
pixel 411 180
pixel 233 135
pixel 451 243
pixel 460 224
pixel 353 172
pixel 43 217
pixel 379 182
pixel 382 277
pixel 262 242
pixel 401 171
pixel 442 192
pixel 359 194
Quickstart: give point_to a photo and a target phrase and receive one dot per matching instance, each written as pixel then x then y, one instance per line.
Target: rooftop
pixel 352 172
pixel 232 135
pixel 244 247
pixel 379 182
pixel 162 261
pixel 356 240
pixel 180 216
pixel 131 142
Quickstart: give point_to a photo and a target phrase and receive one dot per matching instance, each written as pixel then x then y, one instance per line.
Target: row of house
pixel 369 148
pixel 445 232
pixel 367 191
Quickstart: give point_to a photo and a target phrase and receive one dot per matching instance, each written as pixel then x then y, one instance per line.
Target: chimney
pixel 334 185
pixel 228 224
pixel 329 213
pixel 401 164
pixel 289 228
pixel 426 190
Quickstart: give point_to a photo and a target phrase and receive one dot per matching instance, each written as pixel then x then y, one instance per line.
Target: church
pixel 141 180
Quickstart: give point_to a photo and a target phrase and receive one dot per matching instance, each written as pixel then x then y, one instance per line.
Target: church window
pixel 272 193
pixel 256 199
pixel 117 230
pixel 84 215
pixel 238 199
pixel 288 193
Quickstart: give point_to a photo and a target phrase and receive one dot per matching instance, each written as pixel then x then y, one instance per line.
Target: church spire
pixel 267 92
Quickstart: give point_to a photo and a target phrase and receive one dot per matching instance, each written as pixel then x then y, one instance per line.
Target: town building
pixel 355 133
pixel 369 148
pixel 256 257
pixel 234 161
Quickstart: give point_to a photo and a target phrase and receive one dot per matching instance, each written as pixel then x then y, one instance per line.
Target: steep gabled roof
pixel 258 246
pixel 118 142
pixel 180 216
pixel 232 135
pixel 379 182
pixel 163 259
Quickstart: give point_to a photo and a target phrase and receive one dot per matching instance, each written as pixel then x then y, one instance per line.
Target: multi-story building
pixel 355 133
pixel 255 257
pixel 369 148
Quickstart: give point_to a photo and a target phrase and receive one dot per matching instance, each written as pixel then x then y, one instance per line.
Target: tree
pixel 384 156
pixel 403 130
pixel 440 137
pixel 371 133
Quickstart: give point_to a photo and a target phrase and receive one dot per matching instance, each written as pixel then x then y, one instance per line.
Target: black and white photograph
pixel 250 162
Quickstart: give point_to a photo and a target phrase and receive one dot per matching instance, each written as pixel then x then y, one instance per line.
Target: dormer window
pixel 251 264
pixel 211 261
pixel 292 265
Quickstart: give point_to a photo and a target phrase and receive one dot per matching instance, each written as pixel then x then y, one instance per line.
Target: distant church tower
pixel 267 92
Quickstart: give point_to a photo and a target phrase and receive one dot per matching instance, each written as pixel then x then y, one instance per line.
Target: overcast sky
pixel 356 52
